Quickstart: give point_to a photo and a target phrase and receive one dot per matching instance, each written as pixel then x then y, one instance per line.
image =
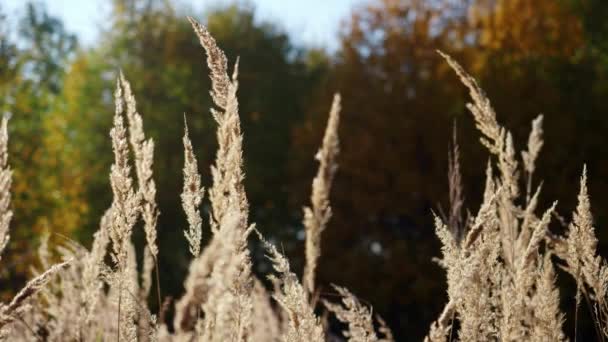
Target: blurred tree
pixel 523 29
pixel 8 55
pixel 47 46
pixel 31 78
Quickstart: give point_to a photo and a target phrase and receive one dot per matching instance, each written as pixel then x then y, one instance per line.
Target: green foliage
pixel 31 78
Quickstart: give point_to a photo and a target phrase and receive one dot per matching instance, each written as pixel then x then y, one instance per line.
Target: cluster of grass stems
pixel 500 261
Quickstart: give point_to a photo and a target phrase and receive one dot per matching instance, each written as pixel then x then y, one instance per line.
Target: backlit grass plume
pixel 317 216
pixel 5 184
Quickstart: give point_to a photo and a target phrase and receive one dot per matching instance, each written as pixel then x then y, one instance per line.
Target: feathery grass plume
pixel 146 275
pixel 317 216
pixel 220 281
pixel 589 270
pixel 548 319
pixel 203 276
pixel 500 143
pixel 192 195
pixel 143 150
pixel 134 314
pixel 124 210
pixel 218 65
pixel 538 235
pixel 67 308
pixel 303 325
pixel 509 281
pixel 529 219
pixel 486 216
pixel 576 244
pixel 92 270
pixel 5 184
pixel 497 139
pixel 490 185
pixel 481 108
pixel 455 221
pixel 583 243
pixel 228 310
pixel 471 266
pixel 491 282
pixel 125 203
pixel 442 327
pixel 470 287
pixel 265 324
pixel 384 329
pixel 217 301
pixel 18 306
pixel 514 313
pixel 130 310
pixel 478 294
pixel 197 286
pixel 227 172
pixel 61 297
pixel 508 211
pixel 356 316
pixel 518 311
pixel 535 143
pixel 219 276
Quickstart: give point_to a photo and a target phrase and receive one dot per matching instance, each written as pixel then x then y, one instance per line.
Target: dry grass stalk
pixel 500 143
pixel 19 305
pixel 303 325
pixel 491 282
pixel 220 283
pixel 317 216
pixel 191 196
pixel 218 65
pixel 143 150
pixel 535 143
pixel 590 271
pixel 5 184
pixel 358 318
pixel 266 325
pixel 125 204
pixel 124 210
pixel 548 319
pixel 228 169
pixel 455 220
pixel 229 308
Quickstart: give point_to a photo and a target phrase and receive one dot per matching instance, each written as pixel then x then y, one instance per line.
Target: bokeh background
pixel 59 60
